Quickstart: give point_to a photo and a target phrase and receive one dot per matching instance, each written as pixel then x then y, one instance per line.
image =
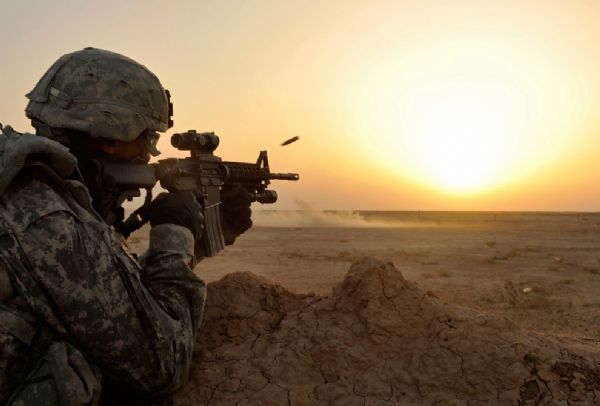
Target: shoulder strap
pixel 43 172
pixel 71 187
pixel 16 326
pixel 6 288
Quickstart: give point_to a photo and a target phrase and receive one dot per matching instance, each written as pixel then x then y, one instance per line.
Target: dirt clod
pixel 377 339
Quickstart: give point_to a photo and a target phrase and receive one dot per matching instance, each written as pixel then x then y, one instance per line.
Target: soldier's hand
pixel 235 212
pixel 179 208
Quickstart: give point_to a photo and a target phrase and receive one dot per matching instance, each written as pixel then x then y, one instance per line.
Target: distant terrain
pixel 542 270
pixel 535 276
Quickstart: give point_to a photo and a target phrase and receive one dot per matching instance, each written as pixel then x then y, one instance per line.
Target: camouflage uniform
pixel 79 308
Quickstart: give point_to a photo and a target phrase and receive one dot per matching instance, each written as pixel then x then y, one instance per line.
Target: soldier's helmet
pixel 101 93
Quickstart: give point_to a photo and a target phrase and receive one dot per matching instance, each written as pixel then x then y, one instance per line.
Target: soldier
pixel 81 320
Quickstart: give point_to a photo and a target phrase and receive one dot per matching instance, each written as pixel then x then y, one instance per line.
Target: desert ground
pixel 540 270
pixel 537 272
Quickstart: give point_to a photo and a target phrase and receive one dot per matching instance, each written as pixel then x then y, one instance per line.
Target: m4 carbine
pixel 203 173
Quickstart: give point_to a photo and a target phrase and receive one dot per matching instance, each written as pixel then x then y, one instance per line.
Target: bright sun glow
pixel 464 117
pixel 463 134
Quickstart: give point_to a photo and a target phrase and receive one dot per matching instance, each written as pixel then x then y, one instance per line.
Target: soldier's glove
pixel 235 212
pixel 179 208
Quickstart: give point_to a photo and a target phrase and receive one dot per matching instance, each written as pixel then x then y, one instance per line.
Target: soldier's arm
pixel 137 324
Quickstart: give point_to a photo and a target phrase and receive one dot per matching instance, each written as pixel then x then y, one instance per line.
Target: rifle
pixel 203 173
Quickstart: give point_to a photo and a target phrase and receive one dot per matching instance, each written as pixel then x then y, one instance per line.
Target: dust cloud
pixel 307 216
pixel 311 218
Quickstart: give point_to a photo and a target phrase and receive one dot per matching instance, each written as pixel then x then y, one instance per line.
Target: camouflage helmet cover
pixel 102 93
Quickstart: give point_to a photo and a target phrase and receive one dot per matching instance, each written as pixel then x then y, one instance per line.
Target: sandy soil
pixel 544 276
pixel 538 281
pixel 377 339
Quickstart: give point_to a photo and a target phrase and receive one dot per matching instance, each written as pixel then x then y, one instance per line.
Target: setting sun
pixel 464 135
pixel 458 117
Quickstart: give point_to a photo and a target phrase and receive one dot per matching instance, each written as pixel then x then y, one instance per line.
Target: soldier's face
pixel 126 150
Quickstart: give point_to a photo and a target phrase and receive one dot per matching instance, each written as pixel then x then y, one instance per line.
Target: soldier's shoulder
pixel 28 200
pixel 18 150
pixel 24 197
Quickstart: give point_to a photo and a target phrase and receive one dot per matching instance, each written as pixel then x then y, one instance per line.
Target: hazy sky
pixel 415 105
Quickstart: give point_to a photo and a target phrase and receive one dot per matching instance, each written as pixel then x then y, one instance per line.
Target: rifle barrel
pixel 284 176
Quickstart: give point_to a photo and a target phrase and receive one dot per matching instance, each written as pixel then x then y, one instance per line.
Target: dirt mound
pixel 376 340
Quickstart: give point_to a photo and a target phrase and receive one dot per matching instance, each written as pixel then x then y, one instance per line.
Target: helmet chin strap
pixel 106 197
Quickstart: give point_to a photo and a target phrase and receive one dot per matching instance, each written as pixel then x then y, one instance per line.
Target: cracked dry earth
pixel 376 340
